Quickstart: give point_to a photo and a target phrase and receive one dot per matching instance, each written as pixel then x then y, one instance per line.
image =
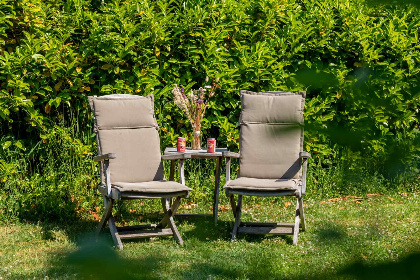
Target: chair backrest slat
pixel 126 125
pixel 271 134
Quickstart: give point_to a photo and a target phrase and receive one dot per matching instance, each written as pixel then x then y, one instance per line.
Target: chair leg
pixel 169 219
pixel 232 204
pixel 302 214
pixel 107 217
pixel 216 189
pixel 238 209
pixel 173 207
pixel 114 233
pixel 164 206
pixel 107 214
pixel 297 222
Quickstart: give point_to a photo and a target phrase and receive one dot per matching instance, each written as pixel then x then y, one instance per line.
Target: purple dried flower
pixel 182 90
pixel 199 102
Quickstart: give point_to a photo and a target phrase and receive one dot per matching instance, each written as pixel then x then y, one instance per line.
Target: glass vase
pixel 196 142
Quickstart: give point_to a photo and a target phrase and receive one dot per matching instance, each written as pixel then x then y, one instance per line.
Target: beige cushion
pixel 151 187
pixel 138 154
pixel 127 127
pixel 270 151
pixel 272 107
pixel 123 111
pixel 271 135
pixel 253 184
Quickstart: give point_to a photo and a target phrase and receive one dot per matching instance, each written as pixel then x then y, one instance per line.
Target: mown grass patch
pixel 370 237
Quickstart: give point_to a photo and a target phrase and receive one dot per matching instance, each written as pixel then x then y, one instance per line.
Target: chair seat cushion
pixel 256 184
pixel 151 187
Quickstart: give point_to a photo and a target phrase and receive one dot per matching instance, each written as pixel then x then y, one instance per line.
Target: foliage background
pixel 358 63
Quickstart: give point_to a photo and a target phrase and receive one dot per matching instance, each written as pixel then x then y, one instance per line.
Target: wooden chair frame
pixel 111 195
pixel 268 228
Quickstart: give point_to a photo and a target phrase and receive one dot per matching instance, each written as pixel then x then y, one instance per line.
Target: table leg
pixel 181 172
pixel 216 189
pixel 172 171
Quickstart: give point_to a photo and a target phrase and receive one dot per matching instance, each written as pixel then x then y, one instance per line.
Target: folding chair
pixel 271 159
pixel 131 163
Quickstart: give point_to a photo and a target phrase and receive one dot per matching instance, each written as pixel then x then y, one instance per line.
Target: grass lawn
pixel 374 237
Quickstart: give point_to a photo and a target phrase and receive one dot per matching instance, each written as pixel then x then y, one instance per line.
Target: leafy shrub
pixel 358 63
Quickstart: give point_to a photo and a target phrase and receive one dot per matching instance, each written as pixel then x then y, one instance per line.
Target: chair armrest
pixel 304 155
pixel 104 157
pixel 173 156
pixel 304 161
pixel 230 154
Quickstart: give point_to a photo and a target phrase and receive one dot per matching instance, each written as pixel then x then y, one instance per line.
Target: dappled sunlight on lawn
pixel 375 239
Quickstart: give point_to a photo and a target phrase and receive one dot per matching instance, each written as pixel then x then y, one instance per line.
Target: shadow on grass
pixel 243 264
pixel 211 270
pixel 98 260
pixel 405 269
pixel 55 212
pixel 202 228
pixel 331 233
pixel 74 230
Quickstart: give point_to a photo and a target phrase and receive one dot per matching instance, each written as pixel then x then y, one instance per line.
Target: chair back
pixel 126 125
pixel 271 134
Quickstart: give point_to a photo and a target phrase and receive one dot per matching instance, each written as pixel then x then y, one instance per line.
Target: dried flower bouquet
pixel 194 105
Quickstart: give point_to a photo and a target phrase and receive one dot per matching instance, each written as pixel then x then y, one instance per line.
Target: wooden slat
pixel 128 228
pixel 202 152
pixel 266 230
pixel 193 215
pixel 206 155
pixel 175 155
pixel 198 153
pixel 145 233
pixel 262 193
pixel 134 195
pixel 256 224
pixel 230 154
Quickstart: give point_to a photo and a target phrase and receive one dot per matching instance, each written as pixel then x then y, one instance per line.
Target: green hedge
pixel 358 63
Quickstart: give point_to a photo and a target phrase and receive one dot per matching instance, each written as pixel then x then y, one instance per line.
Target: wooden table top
pixel 198 153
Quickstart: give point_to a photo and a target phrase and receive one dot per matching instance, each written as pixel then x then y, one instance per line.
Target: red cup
pixel 180 148
pixel 211 145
